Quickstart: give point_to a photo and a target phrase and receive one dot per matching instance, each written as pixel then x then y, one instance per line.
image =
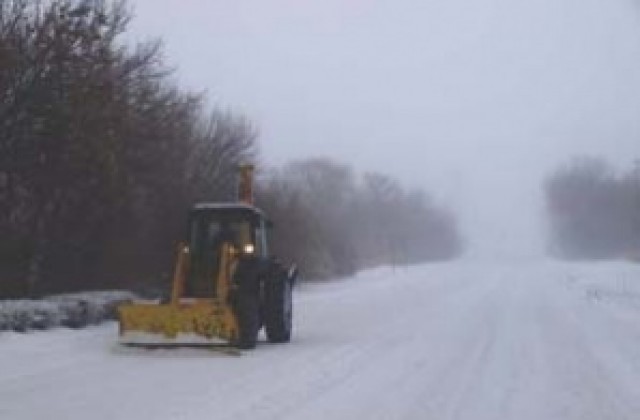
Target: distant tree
pixel 379 200
pixel 593 213
pixel 328 188
pixel 405 227
pixel 333 223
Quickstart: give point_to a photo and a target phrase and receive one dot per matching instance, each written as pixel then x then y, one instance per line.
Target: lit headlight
pixel 248 249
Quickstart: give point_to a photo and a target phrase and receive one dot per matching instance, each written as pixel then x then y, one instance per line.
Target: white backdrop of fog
pixel 473 100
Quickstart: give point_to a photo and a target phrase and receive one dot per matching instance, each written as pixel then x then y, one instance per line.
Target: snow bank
pixel 607 282
pixel 74 310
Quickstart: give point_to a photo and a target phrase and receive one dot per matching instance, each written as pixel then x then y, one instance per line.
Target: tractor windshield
pixel 236 233
pixel 207 234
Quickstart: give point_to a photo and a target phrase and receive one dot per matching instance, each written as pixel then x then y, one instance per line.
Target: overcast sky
pixel 473 100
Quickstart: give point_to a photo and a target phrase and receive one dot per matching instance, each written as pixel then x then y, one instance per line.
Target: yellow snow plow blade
pixel 184 321
pixel 202 321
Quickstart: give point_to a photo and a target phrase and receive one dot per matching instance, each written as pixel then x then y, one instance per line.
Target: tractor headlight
pixel 248 249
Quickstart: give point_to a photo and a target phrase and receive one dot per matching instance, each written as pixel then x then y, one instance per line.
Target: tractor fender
pixel 277 271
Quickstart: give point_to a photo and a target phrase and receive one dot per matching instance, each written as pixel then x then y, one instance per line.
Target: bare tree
pixel 334 223
pixel 100 152
pixel 593 213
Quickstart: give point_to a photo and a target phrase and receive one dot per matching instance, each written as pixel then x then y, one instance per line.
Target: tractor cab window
pixel 237 234
pixel 213 233
pixel 207 236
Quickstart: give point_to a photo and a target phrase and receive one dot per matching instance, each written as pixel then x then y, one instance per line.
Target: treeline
pixel 594 213
pixel 333 223
pixel 102 154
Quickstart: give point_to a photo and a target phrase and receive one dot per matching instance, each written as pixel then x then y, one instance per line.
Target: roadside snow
pixel 475 341
pixel 69 310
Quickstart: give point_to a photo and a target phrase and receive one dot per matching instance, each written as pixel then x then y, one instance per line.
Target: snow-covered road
pixel 447 341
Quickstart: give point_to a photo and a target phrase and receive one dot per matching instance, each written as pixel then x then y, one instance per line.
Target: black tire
pixel 246 303
pixel 278 309
pixel 247 309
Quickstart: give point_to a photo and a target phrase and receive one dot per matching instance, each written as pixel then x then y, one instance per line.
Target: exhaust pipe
pixel 245 184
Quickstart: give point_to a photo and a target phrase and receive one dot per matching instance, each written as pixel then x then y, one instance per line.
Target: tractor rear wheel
pixel 278 309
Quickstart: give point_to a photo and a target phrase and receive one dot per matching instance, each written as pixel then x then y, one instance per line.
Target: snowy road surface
pixel 451 341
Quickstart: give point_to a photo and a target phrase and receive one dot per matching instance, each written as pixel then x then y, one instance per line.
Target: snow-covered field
pixel 448 341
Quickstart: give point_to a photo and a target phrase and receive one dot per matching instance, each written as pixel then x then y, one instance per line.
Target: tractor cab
pixel 241 229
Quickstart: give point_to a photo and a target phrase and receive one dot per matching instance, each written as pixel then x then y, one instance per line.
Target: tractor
pixel 226 285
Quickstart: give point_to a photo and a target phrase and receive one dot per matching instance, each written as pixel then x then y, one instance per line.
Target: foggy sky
pixel 473 100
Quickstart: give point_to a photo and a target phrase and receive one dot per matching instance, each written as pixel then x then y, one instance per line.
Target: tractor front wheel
pixel 247 310
pixel 246 302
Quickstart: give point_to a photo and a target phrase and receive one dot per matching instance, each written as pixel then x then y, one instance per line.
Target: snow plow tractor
pixel 226 286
